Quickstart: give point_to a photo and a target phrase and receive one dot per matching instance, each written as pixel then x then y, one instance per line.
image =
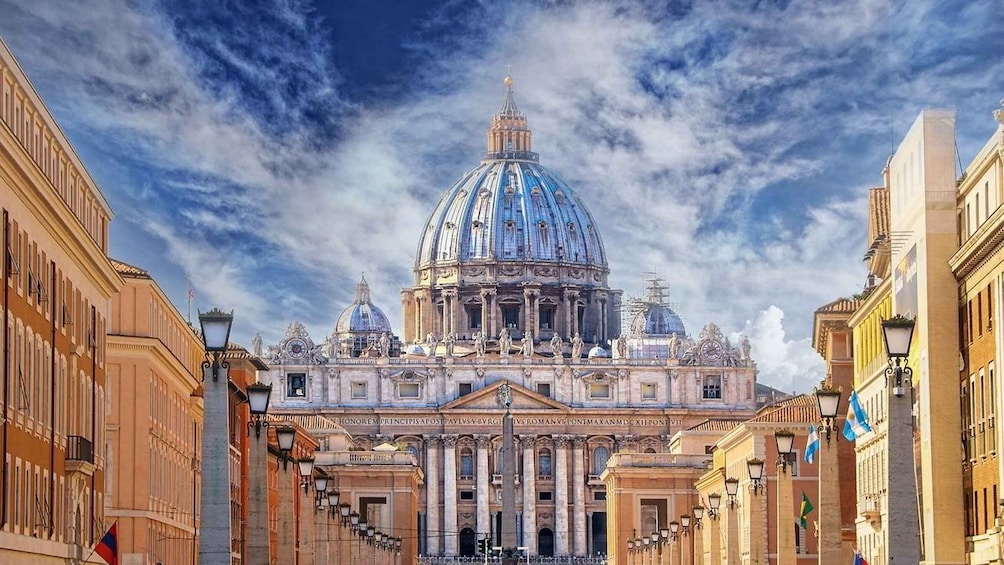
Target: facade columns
pixel 432 527
pixel 450 533
pixel 485 325
pixel 483 490
pixel 579 496
pixel 529 492
pixel 571 312
pixel 527 314
pixel 600 297
pixel 449 312
pixel 561 495
pixel 785 532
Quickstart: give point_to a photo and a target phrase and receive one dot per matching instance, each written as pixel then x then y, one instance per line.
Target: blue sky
pixel 271 151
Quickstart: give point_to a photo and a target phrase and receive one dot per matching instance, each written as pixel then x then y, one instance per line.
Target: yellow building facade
pixel 58 284
pixel 978 265
pixel 154 423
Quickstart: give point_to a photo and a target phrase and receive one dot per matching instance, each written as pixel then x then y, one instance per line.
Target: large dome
pixel 510 246
pixel 511 210
pixel 362 316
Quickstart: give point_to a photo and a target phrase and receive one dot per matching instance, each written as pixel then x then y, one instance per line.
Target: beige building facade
pixel 58 283
pixel 154 424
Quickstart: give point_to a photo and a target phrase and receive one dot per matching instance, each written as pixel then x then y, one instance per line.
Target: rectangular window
pixel 358 390
pixel 990 308
pixel 544 495
pixel 599 390
pixel 407 390
pixel 600 495
pixel 465 388
pixel 544 389
pixel 648 391
pixel 546 318
pixel 712 387
pixel 467 495
pixel 979 314
pixel 474 318
pixel 510 316
pixel 296 385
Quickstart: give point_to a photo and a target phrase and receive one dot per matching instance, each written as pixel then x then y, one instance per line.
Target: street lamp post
pixel 257 537
pixel 686 553
pixel 674 531
pixel 698 539
pixel 732 527
pixel 903 532
pixel 285 436
pixel 755 467
pixel 784 440
pixel 305 468
pixel 828 399
pixel 214 511
pixel 320 530
pixel 715 536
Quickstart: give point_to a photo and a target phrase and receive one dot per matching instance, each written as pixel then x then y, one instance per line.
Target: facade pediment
pixel 522 399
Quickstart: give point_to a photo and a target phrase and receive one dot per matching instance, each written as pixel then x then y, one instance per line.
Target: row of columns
pixel 447 501
pixel 446 316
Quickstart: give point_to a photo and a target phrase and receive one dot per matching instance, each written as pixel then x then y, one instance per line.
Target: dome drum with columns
pixel 510 245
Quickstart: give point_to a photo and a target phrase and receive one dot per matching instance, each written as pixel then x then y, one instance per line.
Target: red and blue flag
pixel 108 547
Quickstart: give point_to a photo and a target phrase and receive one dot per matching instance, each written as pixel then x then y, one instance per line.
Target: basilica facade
pixel 511 286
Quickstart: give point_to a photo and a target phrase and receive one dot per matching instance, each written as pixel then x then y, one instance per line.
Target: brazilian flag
pixel 806 508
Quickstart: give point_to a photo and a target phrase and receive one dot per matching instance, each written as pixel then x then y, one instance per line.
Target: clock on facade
pixel 711 349
pixel 296 348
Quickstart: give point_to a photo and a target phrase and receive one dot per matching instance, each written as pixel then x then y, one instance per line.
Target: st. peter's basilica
pixel 511 285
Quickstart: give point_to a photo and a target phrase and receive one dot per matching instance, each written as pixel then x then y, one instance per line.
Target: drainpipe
pixel 6 364
pixel 94 412
pixel 52 400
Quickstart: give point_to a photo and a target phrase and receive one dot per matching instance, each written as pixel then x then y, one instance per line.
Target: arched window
pixel 498 460
pixel 600 456
pixel 466 463
pixel 544 463
pixel 649 450
pixel 414 451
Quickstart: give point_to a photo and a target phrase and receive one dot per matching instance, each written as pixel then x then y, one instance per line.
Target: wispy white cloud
pixel 728 145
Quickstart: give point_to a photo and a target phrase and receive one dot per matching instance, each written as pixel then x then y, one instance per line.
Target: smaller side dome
pixel 598 352
pixel 657 319
pixel 362 315
pixel 361 327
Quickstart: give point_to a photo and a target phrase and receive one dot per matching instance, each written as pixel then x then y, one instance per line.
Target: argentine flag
pixel 811 445
pixel 857 421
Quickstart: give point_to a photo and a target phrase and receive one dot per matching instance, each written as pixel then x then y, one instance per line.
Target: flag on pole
pixel 806 508
pixel 856 424
pixel 859 559
pixel 811 445
pixel 108 547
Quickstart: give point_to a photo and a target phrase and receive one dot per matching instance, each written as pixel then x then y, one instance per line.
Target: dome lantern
pixel 509 136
